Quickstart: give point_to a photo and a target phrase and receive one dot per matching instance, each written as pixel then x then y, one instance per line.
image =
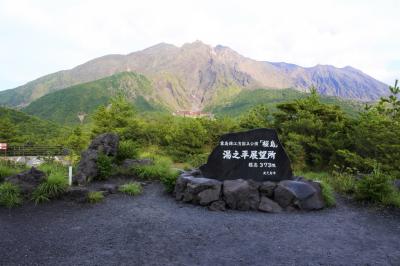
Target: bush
pixel 127 149
pixel 95 196
pixel 160 170
pixel 374 187
pixel 104 165
pixel 132 188
pixel 10 195
pixel 54 186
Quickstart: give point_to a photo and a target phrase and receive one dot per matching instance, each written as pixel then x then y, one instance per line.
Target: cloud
pixel 40 37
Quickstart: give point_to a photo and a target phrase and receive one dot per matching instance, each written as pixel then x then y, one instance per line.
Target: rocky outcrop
pixel 27 181
pixel 240 194
pixel 106 144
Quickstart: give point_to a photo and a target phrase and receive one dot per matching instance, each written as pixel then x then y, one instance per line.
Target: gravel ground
pixel 154 229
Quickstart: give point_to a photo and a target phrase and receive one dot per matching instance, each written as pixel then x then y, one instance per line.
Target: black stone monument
pixel 256 154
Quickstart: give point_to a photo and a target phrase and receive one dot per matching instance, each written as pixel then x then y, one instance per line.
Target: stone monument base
pixel 240 194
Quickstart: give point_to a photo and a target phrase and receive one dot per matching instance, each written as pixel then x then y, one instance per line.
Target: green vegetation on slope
pixel 236 104
pixel 18 127
pixel 64 106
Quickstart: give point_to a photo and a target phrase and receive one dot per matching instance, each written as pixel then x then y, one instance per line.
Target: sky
pixel 44 36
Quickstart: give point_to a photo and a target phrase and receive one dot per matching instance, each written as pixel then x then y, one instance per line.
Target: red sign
pixel 3 146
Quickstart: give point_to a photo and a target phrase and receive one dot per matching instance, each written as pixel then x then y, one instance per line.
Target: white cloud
pixel 40 37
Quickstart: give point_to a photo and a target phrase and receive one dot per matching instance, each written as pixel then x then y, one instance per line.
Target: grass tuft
pixel 10 195
pixel 132 188
pixel 95 196
pixel 54 186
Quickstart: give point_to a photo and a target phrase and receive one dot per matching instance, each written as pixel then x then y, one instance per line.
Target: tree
pixel 116 117
pixel 312 131
pixel 76 141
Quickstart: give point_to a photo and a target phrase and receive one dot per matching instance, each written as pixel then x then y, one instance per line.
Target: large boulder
pixel 107 144
pixel 197 190
pixel 314 202
pixel 241 194
pixel 306 195
pixel 27 181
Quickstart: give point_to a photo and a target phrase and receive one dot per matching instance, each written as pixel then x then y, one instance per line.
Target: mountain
pixel 191 76
pixel 64 106
pixel 30 128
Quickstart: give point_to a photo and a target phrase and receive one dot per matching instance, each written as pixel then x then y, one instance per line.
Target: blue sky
pixel 41 37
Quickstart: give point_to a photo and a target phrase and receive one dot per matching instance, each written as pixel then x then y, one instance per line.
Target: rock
pixel 218 205
pixel 27 181
pixel 209 195
pixel 267 189
pixel 241 194
pixel 283 196
pixel 307 195
pixel 109 188
pixel 314 202
pixel 396 184
pixel 106 143
pixel 197 189
pixel 180 187
pixel 300 189
pixel 76 194
pixel 268 205
pixel 201 190
pixel 129 163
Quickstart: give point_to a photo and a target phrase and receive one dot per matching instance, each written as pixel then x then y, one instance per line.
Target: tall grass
pixel 10 195
pixel 55 184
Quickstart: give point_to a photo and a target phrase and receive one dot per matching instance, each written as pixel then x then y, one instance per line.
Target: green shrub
pixel 160 170
pixel 54 186
pixel 131 188
pixel 10 195
pixel 104 165
pixel 95 196
pixel 374 187
pixel 127 149
pixel 328 194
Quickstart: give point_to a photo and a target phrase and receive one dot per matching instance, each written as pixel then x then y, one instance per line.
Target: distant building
pixel 193 114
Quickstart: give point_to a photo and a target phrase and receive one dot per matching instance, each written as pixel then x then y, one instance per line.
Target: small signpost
pixel 3 147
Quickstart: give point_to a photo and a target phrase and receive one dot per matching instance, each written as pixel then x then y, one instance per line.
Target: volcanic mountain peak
pixel 192 75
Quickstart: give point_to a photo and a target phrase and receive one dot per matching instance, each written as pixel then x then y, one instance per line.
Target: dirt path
pixel 153 229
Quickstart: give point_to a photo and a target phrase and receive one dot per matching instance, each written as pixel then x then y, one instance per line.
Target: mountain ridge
pixel 195 72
